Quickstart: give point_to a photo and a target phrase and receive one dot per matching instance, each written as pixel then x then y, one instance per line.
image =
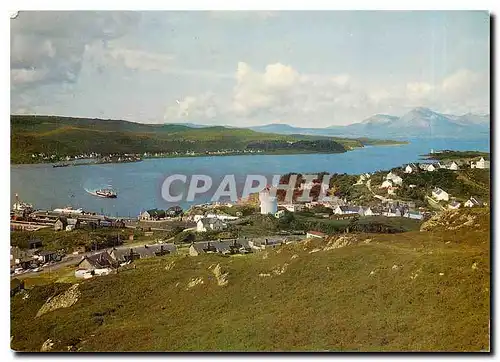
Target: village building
pixel 47 256
pixel 393 212
pixel 394 178
pixel 203 247
pixel 96 264
pixel 452 166
pixel 315 234
pixel 346 210
pixel 411 168
pixel 174 211
pixel 72 224
pixel 265 243
pixel 368 211
pixel 34 244
pixel 210 224
pixel 293 207
pixel 474 202
pixel 123 255
pixel 454 205
pixel 440 194
pixel 482 164
pixel 386 184
pixel 429 167
pixel 60 224
pixel 279 214
pixel 416 215
pixel 222 217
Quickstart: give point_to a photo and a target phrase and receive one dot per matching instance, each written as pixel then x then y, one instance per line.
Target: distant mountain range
pixel 419 122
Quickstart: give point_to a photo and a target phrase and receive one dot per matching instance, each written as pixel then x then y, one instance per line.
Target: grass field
pixel 413 291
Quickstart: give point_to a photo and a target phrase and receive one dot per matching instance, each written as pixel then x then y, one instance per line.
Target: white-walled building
pixel 386 184
pixel 482 163
pixel 210 224
pixel 440 194
pixel 268 203
pixel 394 178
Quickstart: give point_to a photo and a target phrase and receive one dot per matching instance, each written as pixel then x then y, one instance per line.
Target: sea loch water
pixel 139 184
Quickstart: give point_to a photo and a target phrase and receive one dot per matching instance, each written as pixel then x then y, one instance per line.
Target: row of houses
pixel 240 245
pixel 69 224
pixel 104 262
pixel 387 210
pixel 430 167
pixel 441 195
pixel 31 258
pixel 156 214
pixel 450 165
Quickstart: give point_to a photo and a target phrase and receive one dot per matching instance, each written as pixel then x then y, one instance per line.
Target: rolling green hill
pixel 72 136
pixel 416 291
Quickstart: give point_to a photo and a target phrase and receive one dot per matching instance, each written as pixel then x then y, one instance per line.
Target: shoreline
pixel 396 143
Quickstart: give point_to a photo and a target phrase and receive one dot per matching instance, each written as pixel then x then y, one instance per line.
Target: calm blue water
pixel 139 184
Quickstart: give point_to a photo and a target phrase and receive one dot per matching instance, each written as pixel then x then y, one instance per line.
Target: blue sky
pixel 304 68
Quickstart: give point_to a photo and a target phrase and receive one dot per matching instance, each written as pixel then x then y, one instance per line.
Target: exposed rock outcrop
pixel 63 300
pixel 220 276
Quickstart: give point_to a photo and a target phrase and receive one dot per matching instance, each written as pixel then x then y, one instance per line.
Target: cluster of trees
pixel 340 185
pixel 320 145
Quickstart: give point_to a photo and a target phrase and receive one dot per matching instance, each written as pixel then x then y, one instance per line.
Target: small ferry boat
pixel 60 165
pixel 106 193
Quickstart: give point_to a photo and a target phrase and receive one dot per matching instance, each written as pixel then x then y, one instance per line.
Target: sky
pixel 247 68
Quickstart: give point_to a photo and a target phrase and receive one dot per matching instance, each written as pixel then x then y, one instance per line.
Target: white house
pixel 413 215
pixel 453 166
pixel 394 178
pixel 278 214
pixel 392 212
pixel 145 216
pixel 209 224
pixel 454 205
pixel 368 211
pixel 440 194
pixel 293 207
pixel 473 201
pixel 482 163
pixel 222 217
pixel 345 210
pixel 386 184
pixel 429 167
pixel 410 168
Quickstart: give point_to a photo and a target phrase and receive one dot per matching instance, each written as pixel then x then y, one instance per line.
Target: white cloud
pixel 141 60
pixel 22 76
pixel 282 92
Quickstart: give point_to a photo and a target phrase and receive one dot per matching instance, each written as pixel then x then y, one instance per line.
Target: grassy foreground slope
pixel 416 291
pixel 71 136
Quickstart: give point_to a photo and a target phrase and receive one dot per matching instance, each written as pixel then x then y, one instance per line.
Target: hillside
pixel 419 122
pixel 72 136
pixel 415 291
